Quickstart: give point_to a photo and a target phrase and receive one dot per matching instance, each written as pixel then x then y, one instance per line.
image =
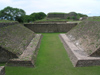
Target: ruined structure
pixel 50 26
pixel 57 15
pixel 83 43
pixel 2 70
pixel 15 40
pixel 71 15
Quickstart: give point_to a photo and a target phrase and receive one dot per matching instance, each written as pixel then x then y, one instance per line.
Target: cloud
pixel 89 7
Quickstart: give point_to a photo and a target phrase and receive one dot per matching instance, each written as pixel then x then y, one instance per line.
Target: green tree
pixel 10 13
pixel 27 18
pixel 37 16
pixel 42 15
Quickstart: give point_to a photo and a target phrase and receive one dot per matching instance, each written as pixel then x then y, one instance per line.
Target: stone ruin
pixel 83 43
pixel 61 15
pixel 50 26
pixel 2 70
pixel 58 16
pixel 18 45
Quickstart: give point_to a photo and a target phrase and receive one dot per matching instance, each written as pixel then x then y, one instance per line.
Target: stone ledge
pixel 2 70
pixel 78 59
pixel 29 55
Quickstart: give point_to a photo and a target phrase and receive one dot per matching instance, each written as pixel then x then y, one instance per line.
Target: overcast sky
pixel 89 7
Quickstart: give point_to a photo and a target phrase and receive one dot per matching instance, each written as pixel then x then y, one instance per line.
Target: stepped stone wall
pixel 52 27
pixel 14 38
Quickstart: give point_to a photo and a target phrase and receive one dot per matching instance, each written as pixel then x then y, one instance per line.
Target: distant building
pixel 71 15
pixel 57 15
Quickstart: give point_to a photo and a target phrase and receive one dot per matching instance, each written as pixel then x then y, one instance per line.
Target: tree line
pixel 10 13
pixel 16 14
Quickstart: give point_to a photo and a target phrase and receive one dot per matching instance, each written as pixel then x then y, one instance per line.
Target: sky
pixel 88 7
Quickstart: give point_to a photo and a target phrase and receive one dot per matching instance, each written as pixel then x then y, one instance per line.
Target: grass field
pixel 6 21
pixel 52 60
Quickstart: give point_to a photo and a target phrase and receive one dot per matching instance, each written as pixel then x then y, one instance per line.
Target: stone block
pixel 2 70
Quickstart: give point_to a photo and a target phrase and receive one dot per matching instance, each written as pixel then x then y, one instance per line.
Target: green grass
pixel 68 20
pixel 6 21
pixel 54 19
pixel 94 18
pixel 53 60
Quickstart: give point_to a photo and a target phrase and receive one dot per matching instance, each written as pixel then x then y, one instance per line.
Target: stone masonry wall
pixel 61 16
pixel 50 22
pixel 14 38
pixel 47 28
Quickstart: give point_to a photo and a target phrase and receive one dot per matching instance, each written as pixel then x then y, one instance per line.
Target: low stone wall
pixel 2 70
pixel 50 22
pixel 47 28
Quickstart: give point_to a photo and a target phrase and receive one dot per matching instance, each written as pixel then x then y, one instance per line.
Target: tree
pixel 27 18
pixel 10 13
pixel 38 16
pixel 42 15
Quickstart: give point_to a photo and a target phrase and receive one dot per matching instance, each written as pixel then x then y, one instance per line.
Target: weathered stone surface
pixel 50 22
pixel 29 55
pixel 47 28
pixel 14 39
pixel 86 36
pixel 78 57
pixel 2 70
pixel 61 16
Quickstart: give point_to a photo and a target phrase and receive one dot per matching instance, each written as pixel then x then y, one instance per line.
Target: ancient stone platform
pixel 29 55
pixel 50 27
pixel 2 70
pixel 79 58
pixel 14 38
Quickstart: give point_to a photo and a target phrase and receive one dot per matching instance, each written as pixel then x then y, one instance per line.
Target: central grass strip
pixel 52 60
